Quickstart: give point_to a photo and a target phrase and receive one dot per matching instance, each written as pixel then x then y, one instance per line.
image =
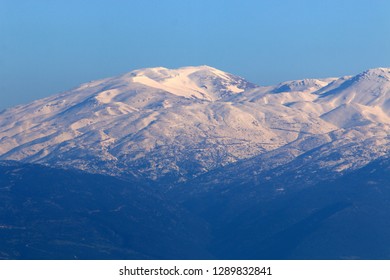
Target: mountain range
pixel 179 124
pixel 260 171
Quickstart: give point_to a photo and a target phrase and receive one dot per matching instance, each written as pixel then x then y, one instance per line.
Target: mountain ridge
pixel 177 124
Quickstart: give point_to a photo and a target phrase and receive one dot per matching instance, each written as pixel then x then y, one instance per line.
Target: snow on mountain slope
pixel 362 99
pixel 202 82
pixel 303 85
pixel 176 124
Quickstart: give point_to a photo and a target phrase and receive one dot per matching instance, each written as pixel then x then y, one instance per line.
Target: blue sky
pixel 50 46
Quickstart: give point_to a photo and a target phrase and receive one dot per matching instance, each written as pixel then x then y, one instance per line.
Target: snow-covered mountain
pixel 178 124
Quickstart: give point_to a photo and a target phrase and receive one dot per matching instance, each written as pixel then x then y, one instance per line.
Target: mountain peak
pixel 161 73
pixel 200 82
pixel 374 74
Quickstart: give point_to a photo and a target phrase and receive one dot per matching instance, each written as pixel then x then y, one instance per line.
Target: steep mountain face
pixel 174 125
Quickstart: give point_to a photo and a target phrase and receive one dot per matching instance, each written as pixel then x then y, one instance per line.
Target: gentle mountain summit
pixel 203 82
pixel 177 124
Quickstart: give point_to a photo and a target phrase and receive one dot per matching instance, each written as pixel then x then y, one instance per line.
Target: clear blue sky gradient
pixel 50 46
